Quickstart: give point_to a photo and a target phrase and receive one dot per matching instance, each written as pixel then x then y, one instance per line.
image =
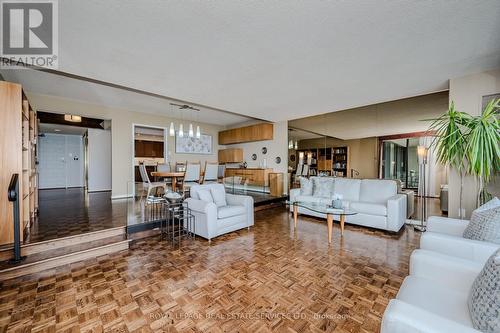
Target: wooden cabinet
pixel 252 133
pixel 18 148
pixel 232 155
pixel 276 184
pixel 255 177
pixel 145 148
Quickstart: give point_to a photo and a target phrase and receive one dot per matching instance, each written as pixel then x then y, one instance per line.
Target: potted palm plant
pixel 470 144
pixel 482 146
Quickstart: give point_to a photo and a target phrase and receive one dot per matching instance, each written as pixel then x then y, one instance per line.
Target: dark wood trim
pixel 394 137
pixel 58 119
pixel 407 135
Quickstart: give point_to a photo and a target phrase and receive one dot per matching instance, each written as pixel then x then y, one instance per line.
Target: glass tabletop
pixel 322 208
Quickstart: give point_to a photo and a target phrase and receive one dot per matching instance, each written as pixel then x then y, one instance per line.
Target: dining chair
pixel 148 185
pixel 180 167
pixel 305 170
pixel 191 176
pixel 211 173
pixel 298 174
pixel 165 167
pixel 221 173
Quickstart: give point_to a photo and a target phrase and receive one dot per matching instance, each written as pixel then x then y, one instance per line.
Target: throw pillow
pixel 484 300
pixel 219 195
pixel 322 187
pixel 484 225
pixel 205 196
pixel 493 203
pixel 306 186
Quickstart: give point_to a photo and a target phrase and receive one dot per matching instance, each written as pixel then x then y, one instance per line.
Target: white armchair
pixel 217 213
pixel 444 235
pixel 434 297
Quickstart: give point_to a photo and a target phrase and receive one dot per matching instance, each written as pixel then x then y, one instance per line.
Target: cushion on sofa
pixel 493 203
pixel 219 195
pixel 306 186
pixel 369 208
pixel 228 211
pixel 484 225
pixel 205 195
pixel 377 190
pixel 322 187
pixel 347 188
pixel 435 298
pixel 484 298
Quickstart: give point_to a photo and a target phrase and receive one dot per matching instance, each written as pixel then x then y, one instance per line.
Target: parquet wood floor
pixel 69 212
pixel 268 279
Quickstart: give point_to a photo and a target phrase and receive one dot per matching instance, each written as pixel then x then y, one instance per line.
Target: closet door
pixel 52 168
pixel 74 161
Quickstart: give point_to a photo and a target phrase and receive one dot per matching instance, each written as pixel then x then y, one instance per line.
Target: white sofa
pixel 376 202
pixel 212 221
pixel 433 299
pixel 444 235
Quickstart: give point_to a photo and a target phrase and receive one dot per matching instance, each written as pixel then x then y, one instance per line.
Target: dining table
pixel 169 174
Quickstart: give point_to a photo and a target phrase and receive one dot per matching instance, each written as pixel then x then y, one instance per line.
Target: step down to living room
pixel 62 251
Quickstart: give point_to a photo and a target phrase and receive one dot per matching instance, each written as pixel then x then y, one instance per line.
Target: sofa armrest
pixel 201 206
pixel 294 193
pixel 447 225
pixel 205 214
pixel 400 317
pixel 396 212
pixel 242 200
pixel 459 247
pixel 452 272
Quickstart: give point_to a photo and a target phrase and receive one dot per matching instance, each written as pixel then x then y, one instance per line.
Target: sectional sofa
pixel 376 201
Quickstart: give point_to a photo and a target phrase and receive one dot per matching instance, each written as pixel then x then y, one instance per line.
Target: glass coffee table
pixel 326 209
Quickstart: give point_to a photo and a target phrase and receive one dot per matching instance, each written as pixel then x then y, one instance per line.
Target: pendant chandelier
pixel 191 132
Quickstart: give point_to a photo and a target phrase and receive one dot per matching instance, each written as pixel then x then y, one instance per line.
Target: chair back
pixel 221 171
pixel 298 172
pixel 192 172
pixel 211 171
pixel 305 170
pixel 163 167
pixel 180 167
pixel 195 188
pixel 144 173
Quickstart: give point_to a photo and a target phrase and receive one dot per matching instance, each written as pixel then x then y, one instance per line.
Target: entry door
pixel 61 161
pixel 74 161
pixel 52 166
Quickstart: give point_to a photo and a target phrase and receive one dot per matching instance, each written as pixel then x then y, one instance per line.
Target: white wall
pixel 276 147
pixel 99 160
pixel 467 93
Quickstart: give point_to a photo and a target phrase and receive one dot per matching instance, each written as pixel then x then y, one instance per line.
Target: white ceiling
pixel 279 60
pixel 55 85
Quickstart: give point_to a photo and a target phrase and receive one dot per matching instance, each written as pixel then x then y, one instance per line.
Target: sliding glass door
pixel 399 161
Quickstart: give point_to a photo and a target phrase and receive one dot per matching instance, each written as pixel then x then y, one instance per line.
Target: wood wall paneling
pixel 11 153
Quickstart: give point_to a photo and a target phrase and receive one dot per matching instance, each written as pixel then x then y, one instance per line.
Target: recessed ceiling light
pixel 57 130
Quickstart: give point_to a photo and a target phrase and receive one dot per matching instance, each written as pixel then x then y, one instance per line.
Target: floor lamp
pixel 422 152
